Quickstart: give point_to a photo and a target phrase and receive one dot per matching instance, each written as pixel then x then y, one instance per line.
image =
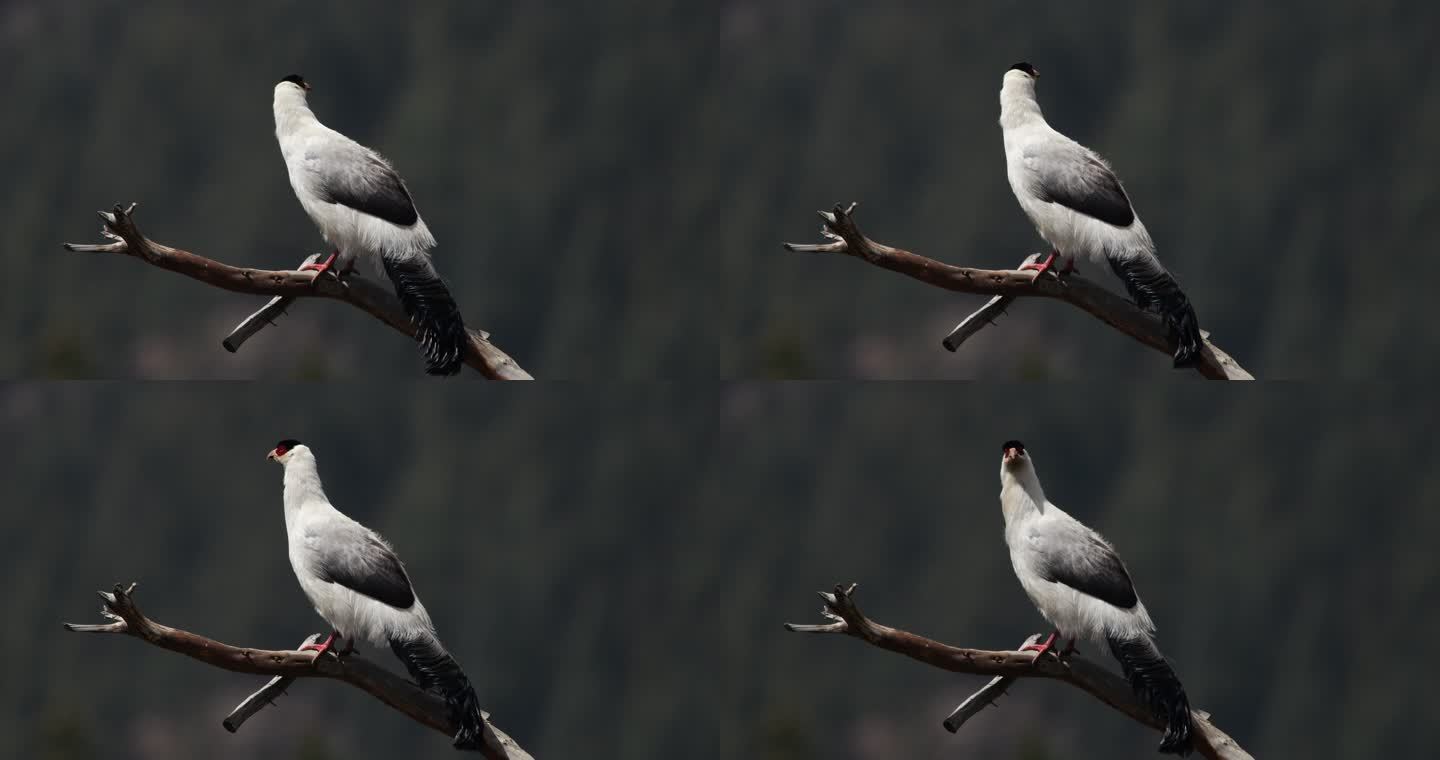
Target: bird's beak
pixel 271 456
pixel 305 87
pixel 1010 454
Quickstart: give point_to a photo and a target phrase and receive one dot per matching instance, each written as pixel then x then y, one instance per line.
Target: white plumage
pixel 321 535
pixel 1034 150
pixel 358 584
pixel 316 154
pixel 1079 584
pixel 365 212
pixel 1080 208
pixel 1042 536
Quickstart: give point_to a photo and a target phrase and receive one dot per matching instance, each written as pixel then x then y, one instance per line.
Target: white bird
pixel 1079 584
pixel 1079 207
pixel 364 210
pixel 360 587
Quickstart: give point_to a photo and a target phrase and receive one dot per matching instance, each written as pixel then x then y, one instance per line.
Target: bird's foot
pixel 1068 650
pixel 320 649
pixel 350 648
pixel 321 268
pixel 1041 649
pixel 1044 267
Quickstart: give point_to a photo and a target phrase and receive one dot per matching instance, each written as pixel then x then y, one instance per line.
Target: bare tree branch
pixel 1108 687
pixel 264 316
pixel 395 691
pixel 370 297
pixel 983 316
pixel 264 697
pixel 985 696
pixel 845 238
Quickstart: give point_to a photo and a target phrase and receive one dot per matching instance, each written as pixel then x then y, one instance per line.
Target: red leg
pixel 1049 262
pixel 1042 268
pixel 321 649
pixel 1041 649
pixel 322 268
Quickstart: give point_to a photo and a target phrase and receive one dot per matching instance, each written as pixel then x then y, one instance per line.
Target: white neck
pixel 302 485
pixel 1020 492
pixel 291 109
pixel 1018 105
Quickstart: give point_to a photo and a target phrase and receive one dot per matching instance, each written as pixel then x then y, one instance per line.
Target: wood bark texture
pixel 286 286
pixel 1007 284
pixel 287 666
pixel 1108 687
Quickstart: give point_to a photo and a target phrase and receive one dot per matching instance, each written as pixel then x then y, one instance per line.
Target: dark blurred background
pixel 612 565
pixel 610 182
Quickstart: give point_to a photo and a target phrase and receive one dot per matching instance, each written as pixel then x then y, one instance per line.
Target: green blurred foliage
pixel 64 735
pixel 65 356
pixel 1034 747
pixel 610 182
pixel 612 564
pixel 784 734
pixel 313 747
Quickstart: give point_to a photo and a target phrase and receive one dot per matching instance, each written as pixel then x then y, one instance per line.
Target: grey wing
pixel 352 175
pixel 1067 173
pixel 1084 561
pixel 352 556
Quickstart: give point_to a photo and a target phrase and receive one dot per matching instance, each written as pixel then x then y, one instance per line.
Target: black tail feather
pixel 436 671
pixel 1154 681
pixel 439 327
pixel 1155 290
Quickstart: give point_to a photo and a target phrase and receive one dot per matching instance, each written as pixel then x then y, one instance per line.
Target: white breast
pixel 1074 235
pixel 359 237
pixel 354 615
pixel 1074 614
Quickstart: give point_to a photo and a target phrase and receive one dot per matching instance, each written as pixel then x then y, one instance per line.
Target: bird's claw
pixel 1048 266
pixel 1039 268
pixel 319 649
pixel 1041 649
pixel 319 273
pixel 321 268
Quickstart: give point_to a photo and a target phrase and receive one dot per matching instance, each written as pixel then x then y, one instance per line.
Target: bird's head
pixel 1023 70
pixel 285 449
pixel 1019 83
pixel 291 92
pixel 1017 472
pixel 1013 456
pixel 296 80
pixel 1018 103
